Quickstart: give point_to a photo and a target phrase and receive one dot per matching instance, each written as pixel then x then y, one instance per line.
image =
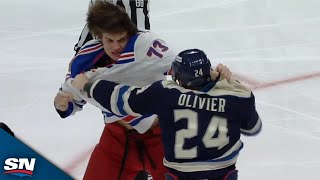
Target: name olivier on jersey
pixel 19 166
pixel 210 104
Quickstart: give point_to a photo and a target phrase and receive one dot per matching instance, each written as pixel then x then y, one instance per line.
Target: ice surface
pixel 273 46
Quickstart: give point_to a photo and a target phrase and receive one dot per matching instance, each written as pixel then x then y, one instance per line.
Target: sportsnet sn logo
pixel 19 166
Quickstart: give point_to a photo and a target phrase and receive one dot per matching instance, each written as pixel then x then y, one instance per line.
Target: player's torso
pixel 199 127
pixel 143 61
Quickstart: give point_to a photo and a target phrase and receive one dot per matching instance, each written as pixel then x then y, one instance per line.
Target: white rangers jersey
pixel 145 59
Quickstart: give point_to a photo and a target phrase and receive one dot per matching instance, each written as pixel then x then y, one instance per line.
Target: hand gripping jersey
pixel 200 129
pixel 145 59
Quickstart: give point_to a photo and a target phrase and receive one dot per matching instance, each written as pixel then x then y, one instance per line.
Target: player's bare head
pixel 191 69
pixel 105 17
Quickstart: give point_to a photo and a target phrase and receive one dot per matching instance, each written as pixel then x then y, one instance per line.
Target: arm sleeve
pixel 124 100
pixel 80 63
pixel 120 102
pixel 251 123
pixel 76 104
pixel 151 49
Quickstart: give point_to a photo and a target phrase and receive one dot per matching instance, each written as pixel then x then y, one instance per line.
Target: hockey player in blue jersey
pixel 123 55
pixel 201 119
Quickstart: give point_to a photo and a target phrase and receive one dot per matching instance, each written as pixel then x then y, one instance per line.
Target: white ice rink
pixel 271 45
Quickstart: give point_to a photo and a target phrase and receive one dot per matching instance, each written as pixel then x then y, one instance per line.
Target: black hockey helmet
pixel 191 68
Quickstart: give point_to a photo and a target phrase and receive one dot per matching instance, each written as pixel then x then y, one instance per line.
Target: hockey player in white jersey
pixel 129 57
pixel 138 11
pixel 201 120
pixel 120 49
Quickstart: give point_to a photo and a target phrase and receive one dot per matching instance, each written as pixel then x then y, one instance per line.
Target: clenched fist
pixel 61 100
pixel 223 70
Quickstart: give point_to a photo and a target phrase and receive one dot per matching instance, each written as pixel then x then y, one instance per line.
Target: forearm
pixel 101 92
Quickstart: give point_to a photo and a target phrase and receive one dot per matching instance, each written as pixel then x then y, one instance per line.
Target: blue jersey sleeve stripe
pixel 70 108
pixel 255 130
pixel 227 158
pixel 125 61
pixel 120 102
pixel 64 114
pixel 138 120
pixel 109 114
pixel 80 103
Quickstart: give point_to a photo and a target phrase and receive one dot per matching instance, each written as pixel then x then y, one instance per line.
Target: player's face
pixel 114 43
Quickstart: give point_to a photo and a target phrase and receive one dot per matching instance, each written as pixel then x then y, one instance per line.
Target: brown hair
pixel 104 17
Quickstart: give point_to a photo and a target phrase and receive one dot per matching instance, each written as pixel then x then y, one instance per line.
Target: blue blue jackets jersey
pixel 200 129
